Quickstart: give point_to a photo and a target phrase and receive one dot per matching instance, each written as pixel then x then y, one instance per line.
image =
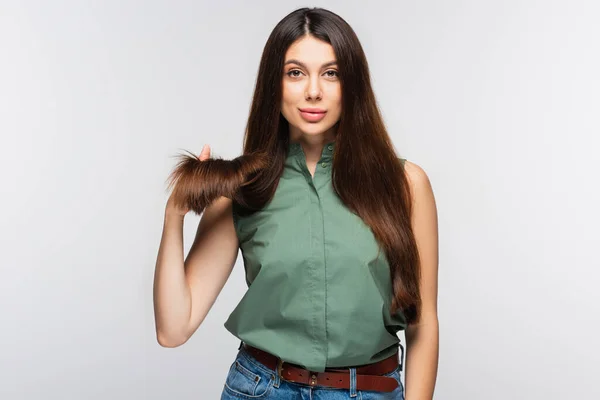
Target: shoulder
pixel 419 181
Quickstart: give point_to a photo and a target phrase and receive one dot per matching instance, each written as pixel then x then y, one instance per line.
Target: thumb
pixel 205 153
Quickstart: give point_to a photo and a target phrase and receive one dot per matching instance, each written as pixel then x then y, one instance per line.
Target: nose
pixel 313 91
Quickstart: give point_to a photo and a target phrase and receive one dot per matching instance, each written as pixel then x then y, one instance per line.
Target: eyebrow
pixel 327 64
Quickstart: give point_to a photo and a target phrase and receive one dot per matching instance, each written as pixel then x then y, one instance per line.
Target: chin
pixel 314 128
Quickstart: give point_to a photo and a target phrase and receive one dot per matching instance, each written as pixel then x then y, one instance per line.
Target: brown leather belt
pixel 368 377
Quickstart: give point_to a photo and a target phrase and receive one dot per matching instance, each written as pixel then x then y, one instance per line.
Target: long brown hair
pixel 367 174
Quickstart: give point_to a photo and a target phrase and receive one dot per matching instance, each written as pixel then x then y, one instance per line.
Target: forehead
pixel 310 51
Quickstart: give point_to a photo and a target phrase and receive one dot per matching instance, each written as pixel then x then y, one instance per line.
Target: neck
pixel 312 145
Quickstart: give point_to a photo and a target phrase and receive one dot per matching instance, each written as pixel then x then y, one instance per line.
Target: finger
pixel 205 153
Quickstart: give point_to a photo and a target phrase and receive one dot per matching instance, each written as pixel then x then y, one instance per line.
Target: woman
pixel 338 234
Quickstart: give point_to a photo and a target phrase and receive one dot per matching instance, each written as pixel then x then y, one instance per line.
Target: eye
pixel 289 73
pixel 331 73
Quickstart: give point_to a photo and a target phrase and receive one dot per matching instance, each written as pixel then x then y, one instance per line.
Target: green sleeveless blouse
pixel 319 289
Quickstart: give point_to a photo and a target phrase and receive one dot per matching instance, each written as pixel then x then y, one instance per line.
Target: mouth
pixel 313 110
pixel 312 115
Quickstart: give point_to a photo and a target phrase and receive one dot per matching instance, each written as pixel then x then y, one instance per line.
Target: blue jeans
pixel 248 379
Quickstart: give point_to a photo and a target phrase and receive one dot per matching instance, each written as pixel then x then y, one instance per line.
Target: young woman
pixel 338 234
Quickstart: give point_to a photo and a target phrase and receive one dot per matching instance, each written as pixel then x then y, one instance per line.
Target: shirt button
pixel 330 147
pixel 323 164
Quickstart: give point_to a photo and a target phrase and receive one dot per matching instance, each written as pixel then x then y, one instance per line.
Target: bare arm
pixel 423 338
pixel 185 291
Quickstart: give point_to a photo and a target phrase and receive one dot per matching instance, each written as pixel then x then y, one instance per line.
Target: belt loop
pixel 277 379
pixel 352 382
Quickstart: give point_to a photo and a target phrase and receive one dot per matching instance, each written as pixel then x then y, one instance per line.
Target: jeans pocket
pixel 399 379
pixel 397 394
pixel 247 380
pixel 397 375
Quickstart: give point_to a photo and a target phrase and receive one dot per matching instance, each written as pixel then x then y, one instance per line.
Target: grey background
pixel 497 100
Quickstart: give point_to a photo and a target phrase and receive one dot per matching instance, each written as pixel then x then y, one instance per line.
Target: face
pixel 311 81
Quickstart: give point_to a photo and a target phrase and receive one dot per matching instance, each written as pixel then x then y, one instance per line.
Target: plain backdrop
pixel 498 101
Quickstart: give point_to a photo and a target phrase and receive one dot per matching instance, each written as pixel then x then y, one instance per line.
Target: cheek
pixel 335 95
pixel 290 99
pixel 291 93
pixel 286 105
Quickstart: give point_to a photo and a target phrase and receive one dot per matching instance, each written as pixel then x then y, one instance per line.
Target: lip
pixel 313 110
pixel 312 114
